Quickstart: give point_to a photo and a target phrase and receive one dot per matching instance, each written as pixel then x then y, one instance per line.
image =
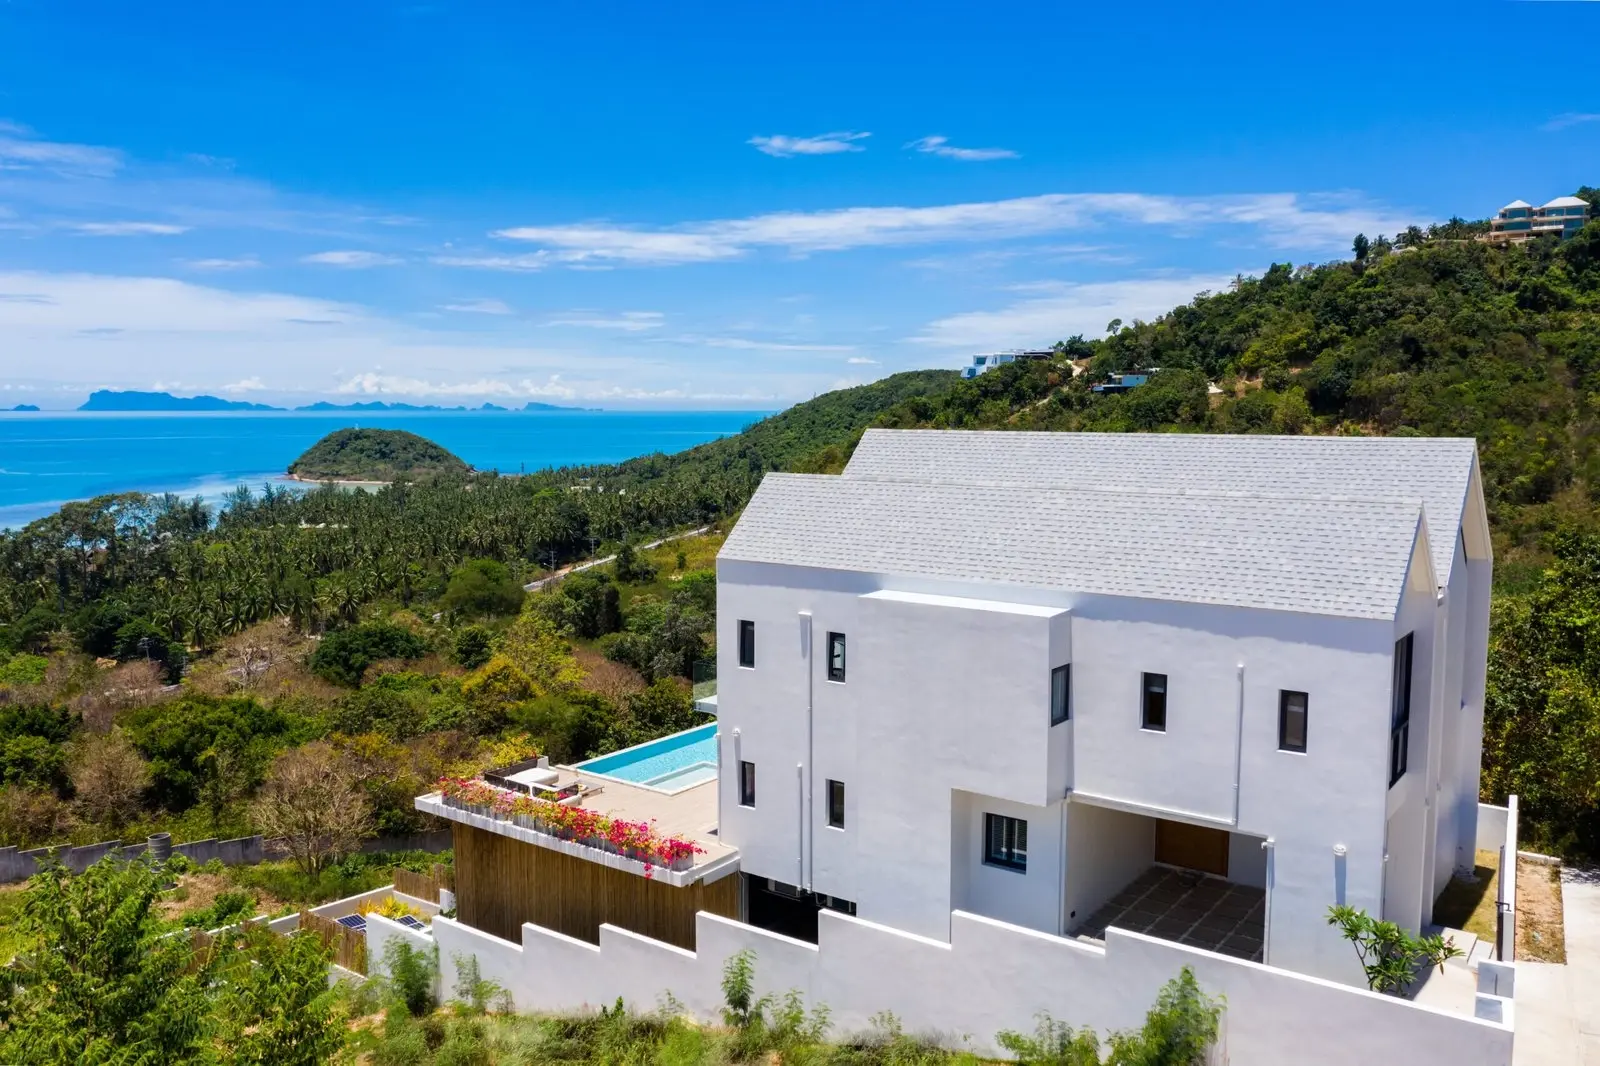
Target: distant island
pixel 374 455
pixel 380 405
pixel 25 407
pixel 118 400
pixel 114 400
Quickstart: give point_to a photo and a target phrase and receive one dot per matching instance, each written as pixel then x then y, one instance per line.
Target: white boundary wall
pixel 991 976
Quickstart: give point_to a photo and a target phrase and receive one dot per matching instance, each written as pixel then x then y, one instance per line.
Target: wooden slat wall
pixel 348 946
pixel 422 886
pixel 501 883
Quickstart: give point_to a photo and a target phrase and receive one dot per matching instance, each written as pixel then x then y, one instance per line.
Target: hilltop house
pixel 1521 221
pixel 1011 722
pixel 982 364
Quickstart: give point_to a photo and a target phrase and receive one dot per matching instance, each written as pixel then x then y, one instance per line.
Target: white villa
pixel 1521 221
pixel 1011 722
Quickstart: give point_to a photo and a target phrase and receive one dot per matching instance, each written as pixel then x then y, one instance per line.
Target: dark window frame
pixel 747 644
pixel 836 662
pixel 1061 696
pixel 747 783
pixel 1153 703
pixel 1400 709
pixel 835 804
pixel 1285 698
pixel 1005 842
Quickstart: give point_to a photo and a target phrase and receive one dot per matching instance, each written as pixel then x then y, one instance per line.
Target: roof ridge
pixel 1106 490
pixel 1113 435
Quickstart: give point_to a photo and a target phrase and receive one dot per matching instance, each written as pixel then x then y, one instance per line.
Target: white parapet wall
pixel 1491 826
pixel 990 976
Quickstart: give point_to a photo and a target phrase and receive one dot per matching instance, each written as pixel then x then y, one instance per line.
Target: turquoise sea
pixel 48 459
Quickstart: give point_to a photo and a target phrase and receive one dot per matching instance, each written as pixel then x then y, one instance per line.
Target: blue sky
pixel 714 205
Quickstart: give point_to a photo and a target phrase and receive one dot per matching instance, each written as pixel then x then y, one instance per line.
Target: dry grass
pixel 1541 935
pixel 197 891
pixel 1470 905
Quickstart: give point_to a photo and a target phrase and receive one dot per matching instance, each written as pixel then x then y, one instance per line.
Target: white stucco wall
pixel 987 977
pixel 1108 849
pixel 944 715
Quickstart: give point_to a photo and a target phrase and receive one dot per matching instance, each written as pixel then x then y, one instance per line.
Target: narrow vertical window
pixel 747 784
pixel 835 656
pixel 1005 842
pixel 1291 721
pixel 1060 694
pixel 747 643
pixel 1400 714
pixel 836 804
pixel 1155 703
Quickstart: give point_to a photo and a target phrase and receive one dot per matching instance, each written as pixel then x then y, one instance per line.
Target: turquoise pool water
pixel 671 763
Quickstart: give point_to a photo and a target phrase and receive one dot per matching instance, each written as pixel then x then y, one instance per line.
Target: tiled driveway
pixel 1190 908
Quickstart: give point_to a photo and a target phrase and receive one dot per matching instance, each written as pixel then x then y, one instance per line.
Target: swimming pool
pixel 670 764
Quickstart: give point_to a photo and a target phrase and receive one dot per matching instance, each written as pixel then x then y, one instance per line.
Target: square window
pixel 835 656
pixel 747 643
pixel 1291 721
pixel 747 784
pixel 1005 841
pixel 1060 694
pixel 1154 707
pixel 836 804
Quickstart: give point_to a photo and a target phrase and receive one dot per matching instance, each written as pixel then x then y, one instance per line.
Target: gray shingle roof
pixel 1334 557
pixel 1437 470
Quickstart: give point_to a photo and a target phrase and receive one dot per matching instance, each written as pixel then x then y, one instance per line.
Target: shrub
pixel 411 974
pixel 1390 956
pixel 24 670
pixel 482 588
pixel 344 655
pixel 473 647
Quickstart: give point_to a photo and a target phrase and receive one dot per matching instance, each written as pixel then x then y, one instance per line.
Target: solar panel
pixel 410 922
pixel 353 921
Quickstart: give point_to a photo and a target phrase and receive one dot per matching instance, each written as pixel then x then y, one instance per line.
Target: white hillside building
pixel 1011 723
pixel 1009 673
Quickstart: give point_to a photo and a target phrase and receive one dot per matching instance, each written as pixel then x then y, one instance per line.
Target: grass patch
pixel 350 876
pixel 1470 905
pixel 699 553
pixel 10 905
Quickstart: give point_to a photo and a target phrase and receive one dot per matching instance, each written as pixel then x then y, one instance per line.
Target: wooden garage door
pixel 1194 847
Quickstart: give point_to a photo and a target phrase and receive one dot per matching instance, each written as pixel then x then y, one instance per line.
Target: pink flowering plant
pixel 633 840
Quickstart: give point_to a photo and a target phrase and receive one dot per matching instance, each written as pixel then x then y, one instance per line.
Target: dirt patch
pixel 1540 935
pixel 197 891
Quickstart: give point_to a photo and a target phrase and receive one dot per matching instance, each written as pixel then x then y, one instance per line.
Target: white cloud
pixel 745 344
pixel 941 146
pixel 784 146
pixel 247 262
pixel 351 260
pixel 75 332
pixel 478 307
pixel 1319 222
pixel 21 149
pixel 628 321
pixel 1057 310
pixel 128 229
pixel 375 383
pixel 1570 118
pixel 516 263
pixel 861 360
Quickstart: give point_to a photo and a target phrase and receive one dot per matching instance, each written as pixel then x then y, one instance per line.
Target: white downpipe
pixel 800 846
pixel 1270 846
pixel 807 843
pixel 1238 749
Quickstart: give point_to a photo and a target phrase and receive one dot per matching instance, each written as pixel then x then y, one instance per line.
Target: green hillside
pixel 374 455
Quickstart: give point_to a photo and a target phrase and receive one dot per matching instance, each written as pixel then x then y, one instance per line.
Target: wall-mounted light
pixel 1340 850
